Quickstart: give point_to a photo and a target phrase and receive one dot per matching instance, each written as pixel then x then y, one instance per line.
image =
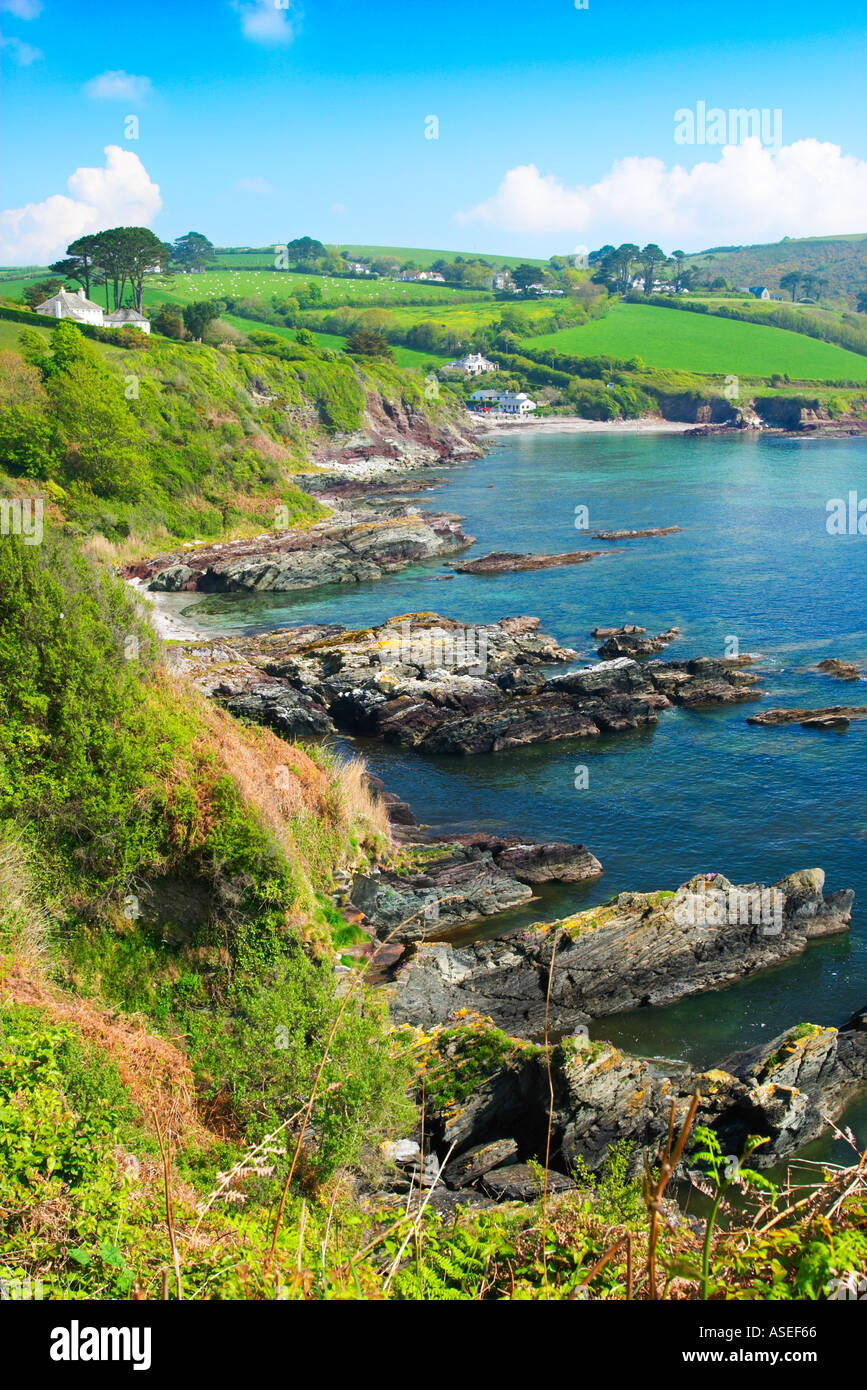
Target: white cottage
pixel 474 364
pixel 127 318
pixel 68 305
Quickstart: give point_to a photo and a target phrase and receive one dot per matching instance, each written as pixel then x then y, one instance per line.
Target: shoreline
pixel 163 612
pixel 577 424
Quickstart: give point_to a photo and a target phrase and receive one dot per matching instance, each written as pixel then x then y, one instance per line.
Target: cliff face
pixel 397 433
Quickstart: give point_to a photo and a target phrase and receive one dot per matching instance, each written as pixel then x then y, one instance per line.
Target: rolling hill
pixel 673 340
pixel 840 260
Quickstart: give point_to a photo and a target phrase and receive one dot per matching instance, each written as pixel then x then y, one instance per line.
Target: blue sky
pixel 322 109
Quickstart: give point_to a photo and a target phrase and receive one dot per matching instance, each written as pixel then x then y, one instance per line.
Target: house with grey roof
pixel 67 304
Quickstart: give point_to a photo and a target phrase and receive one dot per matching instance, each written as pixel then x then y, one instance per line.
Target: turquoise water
pixel 702 791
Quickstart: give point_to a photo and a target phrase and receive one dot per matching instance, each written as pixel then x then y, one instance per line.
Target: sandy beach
pixel 576 424
pixel 164 612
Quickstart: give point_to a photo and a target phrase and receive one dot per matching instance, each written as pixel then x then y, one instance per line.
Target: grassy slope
pixel 424 257
pixel 842 260
pixel 671 339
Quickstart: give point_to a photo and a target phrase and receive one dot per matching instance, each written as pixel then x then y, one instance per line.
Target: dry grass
pixel 358 800
pixel 24 923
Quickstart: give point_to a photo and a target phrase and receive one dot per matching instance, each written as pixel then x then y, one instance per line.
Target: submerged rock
pixel 830 717
pixel 628 535
pixel 509 562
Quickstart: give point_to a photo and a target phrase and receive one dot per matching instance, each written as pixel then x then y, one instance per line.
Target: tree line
pixel 117 261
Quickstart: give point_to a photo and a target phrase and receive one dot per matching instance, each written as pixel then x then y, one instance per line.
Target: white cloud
pixel 267 21
pixel 254 186
pixel 21 53
pixel 22 9
pixel 120 194
pixel 118 86
pixel 750 194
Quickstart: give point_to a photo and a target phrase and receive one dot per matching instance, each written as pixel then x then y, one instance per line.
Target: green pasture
pixel 672 339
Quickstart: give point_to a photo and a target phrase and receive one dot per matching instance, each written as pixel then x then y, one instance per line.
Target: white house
pixel 66 305
pixel 507 402
pixel 127 318
pixel 759 291
pixel 515 403
pixel 474 364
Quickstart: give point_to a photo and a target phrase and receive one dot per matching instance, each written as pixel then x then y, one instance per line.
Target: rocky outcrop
pixel 629 535
pixel 787 1090
pixel 637 949
pixel 829 717
pixel 429 683
pixel 336 551
pixel 477 876
pixel 509 562
pixel 842 670
pixel 632 641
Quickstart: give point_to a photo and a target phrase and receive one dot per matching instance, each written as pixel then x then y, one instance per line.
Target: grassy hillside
pixel 164 439
pixel 422 256
pixel 671 339
pixel 841 260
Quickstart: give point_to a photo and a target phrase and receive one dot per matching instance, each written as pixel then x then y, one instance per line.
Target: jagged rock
pixel 510 562
pixel 843 670
pixel 430 683
pixel 634 535
pixel 830 717
pixel 786 1090
pixel 637 949
pixel 632 641
pixel 476 877
pixel 476 1162
pixel 518 1182
pixel 332 552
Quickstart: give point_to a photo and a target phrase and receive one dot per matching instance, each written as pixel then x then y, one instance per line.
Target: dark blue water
pixel 702 791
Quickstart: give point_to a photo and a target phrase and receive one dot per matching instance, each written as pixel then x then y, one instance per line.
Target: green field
pixel 424 257
pixel 244 283
pixel 677 340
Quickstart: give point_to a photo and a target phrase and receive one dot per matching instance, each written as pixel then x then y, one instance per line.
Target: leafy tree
pixel 193 251
pixel 368 342
pixel 27 445
pixel 306 248
pixel 199 314
pixel 98 432
pixel 862 302
pixel 652 257
pixel 305 337
pixel 790 281
pixel 80 263
pixel 525 275
pixel 615 268
pixel 684 275
pixel 42 290
pixel 169 322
